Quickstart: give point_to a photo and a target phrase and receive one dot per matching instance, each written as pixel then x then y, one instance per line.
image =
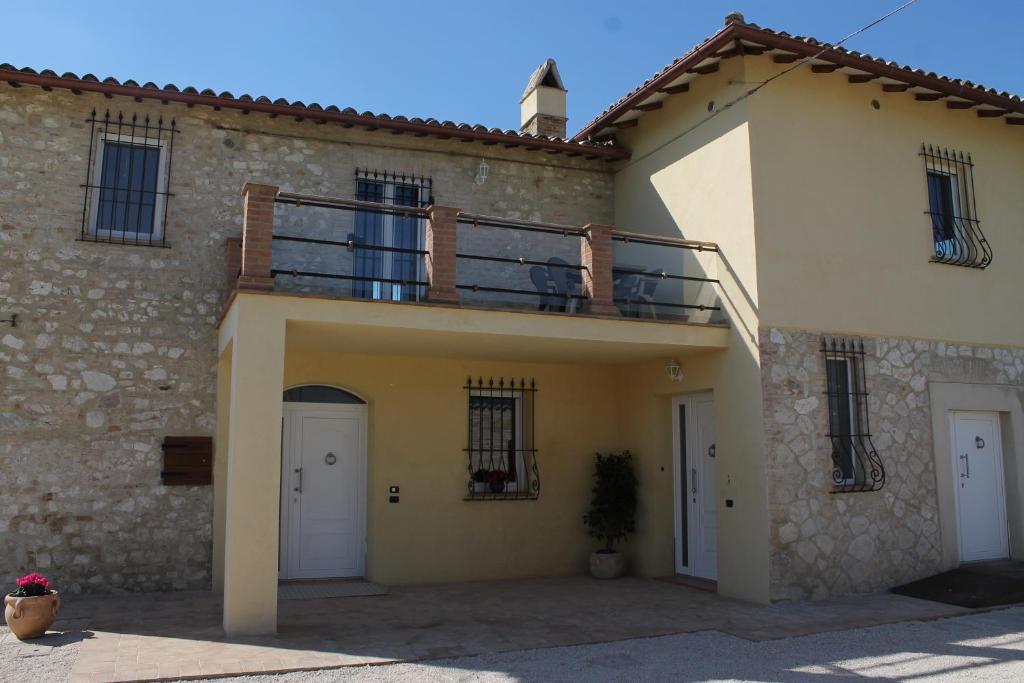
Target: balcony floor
pixel 403 328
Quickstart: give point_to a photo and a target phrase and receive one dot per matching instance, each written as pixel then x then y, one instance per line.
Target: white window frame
pixel 957 192
pixel 522 482
pixel 160 199
pixel 380 291
pixel 851 400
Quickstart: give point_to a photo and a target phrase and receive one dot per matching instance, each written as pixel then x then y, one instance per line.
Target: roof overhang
pixel 313 112
pixel 738 39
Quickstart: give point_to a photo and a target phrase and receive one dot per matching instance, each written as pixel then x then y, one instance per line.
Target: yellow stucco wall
pixel 590 398
pixel 839 198
pixel 690 176
pixel 417 433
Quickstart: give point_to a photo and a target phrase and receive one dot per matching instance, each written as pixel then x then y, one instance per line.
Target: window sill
pixel 92 239
pixel 500 496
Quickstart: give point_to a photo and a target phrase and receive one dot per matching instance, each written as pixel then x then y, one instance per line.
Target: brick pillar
pixel 596 257
pixel 257 234
pixel 440 247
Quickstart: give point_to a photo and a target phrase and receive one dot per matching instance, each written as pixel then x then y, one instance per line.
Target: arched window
pixel 317 393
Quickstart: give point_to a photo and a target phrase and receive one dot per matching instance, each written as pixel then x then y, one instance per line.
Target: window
pixel 956 232
pixel 126 190
pixel 390 270
pixel 317 393
pixel 500 446
pixel 856 465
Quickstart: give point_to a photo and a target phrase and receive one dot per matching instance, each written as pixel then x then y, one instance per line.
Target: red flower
pixel 34 579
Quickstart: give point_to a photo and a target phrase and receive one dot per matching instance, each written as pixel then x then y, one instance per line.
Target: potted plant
pixel 612 514
pixel 493 479
pixel 31 608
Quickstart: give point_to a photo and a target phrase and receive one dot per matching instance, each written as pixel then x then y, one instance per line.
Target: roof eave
pixel 608 153
pixel 774 41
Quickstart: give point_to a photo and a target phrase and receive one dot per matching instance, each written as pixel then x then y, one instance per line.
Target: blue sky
pixel 469 60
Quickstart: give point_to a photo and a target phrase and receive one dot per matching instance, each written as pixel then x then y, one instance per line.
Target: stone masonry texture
pixel 825 543
pixel 115 345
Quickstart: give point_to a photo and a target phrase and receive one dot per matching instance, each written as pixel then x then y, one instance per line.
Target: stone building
pixel 345 303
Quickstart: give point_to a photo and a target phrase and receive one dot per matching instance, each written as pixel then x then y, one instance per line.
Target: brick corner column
pixel 596 257
pixel 439 242
pixel 257 236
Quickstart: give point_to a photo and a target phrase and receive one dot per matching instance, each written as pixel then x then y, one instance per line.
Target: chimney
pixel 542 109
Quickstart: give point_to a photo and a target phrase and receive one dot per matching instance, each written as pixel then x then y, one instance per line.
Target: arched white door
pixel 323 490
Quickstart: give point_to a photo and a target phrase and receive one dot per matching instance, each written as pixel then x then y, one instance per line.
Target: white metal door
pixel 696 512
pixel 323 491
pixel 980 491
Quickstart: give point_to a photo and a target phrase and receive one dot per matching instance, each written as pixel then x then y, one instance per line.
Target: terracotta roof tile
pixel 750 32
pixel 70 80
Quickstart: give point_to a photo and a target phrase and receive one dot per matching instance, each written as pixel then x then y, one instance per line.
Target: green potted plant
pixel 612 514
pixel 31 608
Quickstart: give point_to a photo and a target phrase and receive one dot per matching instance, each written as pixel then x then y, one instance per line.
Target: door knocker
pixel 711 451
pixel 330 458
pixel 979 442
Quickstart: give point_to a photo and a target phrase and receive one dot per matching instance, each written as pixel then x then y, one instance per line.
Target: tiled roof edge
pixel 805 47
pixel 349 117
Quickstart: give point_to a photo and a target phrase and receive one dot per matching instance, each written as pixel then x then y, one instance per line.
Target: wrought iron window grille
pixel 856 465
pixel 956 230
pixel 390 242
pixel 500 450
pixel 128 173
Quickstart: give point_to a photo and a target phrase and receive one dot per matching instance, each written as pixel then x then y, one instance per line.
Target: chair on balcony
pixel 541 278
pixel 634 293
pixel 568 284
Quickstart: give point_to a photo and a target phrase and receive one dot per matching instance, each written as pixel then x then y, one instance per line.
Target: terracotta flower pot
pixel 607 565
pixel 30 617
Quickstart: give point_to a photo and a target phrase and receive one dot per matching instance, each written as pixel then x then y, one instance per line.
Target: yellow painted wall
pixel 690 176
pixel 417 433
pixel 839 195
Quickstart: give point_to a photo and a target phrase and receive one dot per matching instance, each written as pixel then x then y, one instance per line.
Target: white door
pixel 323 491
pixel 696 512
pixel 980 491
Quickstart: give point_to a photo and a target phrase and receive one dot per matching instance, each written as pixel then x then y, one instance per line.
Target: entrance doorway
pixel 980 489
pixel 323 484
pixel 696 513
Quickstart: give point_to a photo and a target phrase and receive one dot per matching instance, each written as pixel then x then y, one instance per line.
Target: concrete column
pixel 598 280
pixel 251 534
pixel 441 263
pixel 257 236
pixel 220 464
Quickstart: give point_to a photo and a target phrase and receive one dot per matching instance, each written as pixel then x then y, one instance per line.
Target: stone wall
pixel 825 543
pixel 115 345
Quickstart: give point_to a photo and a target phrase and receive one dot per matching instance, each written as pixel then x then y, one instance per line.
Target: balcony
pixel 399 249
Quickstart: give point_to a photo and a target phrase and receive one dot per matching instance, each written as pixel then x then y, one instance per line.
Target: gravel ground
pixel 978 647
pixel 47 659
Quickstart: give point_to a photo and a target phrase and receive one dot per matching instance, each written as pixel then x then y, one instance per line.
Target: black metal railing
pixel 501 450
pixel 554 283
pixel 361 243
pixel 856 465
pixel 128 173
pixel 956 230
pixel 644 288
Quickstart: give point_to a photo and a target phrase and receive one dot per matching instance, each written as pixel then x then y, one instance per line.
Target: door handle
pixel 298 489
pixel 966 474
pixel 693 479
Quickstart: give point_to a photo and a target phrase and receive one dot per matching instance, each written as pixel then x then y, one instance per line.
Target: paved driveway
pixel 178 635
pixel 977 647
